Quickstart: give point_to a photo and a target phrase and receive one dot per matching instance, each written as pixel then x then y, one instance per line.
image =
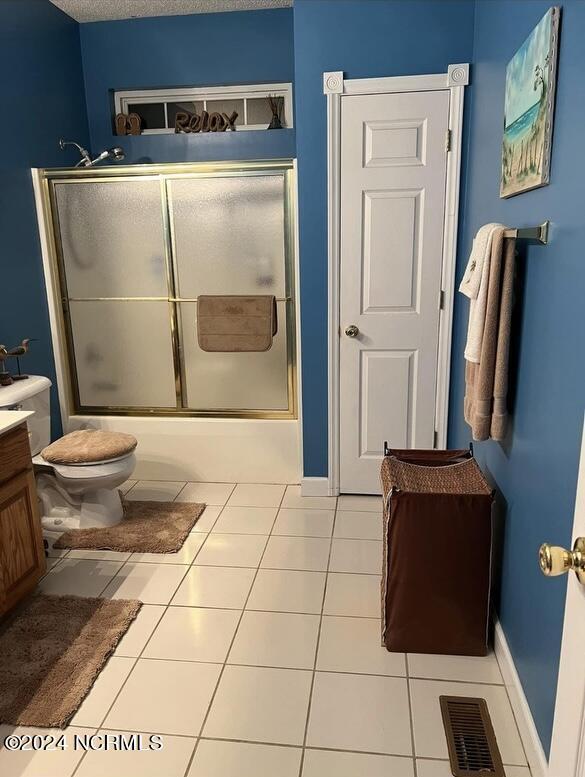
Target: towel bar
pixel 539 233
pixel 65 300
pixel 194 299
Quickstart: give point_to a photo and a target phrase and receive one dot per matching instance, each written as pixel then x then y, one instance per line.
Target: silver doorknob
pixel 352 330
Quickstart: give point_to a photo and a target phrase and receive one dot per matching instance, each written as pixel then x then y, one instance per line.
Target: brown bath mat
pixel 52 651
pixel 147 527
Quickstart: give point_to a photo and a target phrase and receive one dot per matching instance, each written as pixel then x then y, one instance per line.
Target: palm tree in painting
pixel 536 153
pixel 539 80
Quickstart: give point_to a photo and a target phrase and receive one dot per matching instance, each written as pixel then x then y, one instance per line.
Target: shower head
pixel 116 154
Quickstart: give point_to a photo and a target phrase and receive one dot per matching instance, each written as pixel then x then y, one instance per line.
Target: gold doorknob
pixel 554 560
pixel 352 330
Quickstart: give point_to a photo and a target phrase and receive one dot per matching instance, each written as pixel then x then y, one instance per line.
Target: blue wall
pixel 364 38
pixel 43 94
pixel 535 469
pixel 197 50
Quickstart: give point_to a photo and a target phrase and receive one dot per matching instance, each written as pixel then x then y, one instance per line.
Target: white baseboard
pixel 315 487
pixel 532 745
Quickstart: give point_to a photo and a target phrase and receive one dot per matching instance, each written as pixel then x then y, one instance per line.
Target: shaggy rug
pixel 147 527
pixel 52 651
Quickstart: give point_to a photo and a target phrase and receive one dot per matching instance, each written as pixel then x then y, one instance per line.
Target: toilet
pixel 77 482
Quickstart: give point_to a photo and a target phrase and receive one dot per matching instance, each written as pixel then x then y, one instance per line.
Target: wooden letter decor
pixel 206 122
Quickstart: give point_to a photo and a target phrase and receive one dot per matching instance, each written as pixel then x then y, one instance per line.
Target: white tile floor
pixel 257 651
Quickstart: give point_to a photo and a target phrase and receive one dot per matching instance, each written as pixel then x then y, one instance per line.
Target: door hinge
pixel 441 300
pixel 448 135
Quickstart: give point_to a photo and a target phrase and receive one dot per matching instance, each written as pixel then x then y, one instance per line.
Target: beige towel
pixel 233 323
pixel 475 286
pixel 486 382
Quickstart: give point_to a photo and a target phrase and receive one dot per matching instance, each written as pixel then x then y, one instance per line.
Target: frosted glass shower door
pixel 229 237
pixel 123 353
pixel 112 238
pixel 135 247
pixel 234 381
pixel 113 252
pixel 229 234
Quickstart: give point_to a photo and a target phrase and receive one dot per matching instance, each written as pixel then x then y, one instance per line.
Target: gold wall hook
pixel 555 560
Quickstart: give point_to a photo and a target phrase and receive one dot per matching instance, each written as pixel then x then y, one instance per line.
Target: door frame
pixel 335 87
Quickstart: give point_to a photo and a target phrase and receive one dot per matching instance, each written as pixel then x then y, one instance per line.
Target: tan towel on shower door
pixel 486 382
pixel 233 323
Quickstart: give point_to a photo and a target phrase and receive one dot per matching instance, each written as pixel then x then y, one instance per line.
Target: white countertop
pixel 11 418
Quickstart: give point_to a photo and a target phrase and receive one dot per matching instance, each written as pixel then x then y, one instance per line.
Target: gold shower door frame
pixel 165 173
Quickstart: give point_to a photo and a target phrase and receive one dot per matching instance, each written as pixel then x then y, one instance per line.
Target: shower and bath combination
pixel 116 154
pixel 135 249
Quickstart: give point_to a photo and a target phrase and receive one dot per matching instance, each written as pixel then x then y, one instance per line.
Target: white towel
pixel 475 286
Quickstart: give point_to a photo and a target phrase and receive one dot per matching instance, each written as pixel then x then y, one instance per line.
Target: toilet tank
pixel 32 393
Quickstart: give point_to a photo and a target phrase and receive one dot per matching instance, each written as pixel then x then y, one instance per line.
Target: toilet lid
pixel 89 446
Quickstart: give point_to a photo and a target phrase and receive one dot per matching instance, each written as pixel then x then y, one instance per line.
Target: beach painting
pixel 529 106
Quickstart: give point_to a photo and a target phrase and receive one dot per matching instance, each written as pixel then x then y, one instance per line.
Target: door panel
pixel 112 238
pixel 386 368
pixel 388 143
pixel 123 353
pixel 229 234
pixel 391 228
pixel 393 175
pixel 239 381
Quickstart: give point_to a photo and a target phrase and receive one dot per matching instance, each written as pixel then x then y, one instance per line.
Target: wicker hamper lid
pixel 463 477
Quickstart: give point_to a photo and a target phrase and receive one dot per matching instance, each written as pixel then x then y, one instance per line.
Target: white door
pixel 393 176
pixel 567 755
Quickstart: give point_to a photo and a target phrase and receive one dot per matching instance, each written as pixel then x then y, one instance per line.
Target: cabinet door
pixel 22 558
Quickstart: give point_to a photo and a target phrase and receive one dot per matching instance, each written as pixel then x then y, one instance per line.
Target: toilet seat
pixel 94 470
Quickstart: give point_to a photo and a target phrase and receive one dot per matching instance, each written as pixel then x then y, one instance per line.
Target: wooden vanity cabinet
pixel 22 556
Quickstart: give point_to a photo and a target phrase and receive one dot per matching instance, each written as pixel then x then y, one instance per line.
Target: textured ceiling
pixel 101 10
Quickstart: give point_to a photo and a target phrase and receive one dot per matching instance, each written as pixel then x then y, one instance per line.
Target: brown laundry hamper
pixel 437 552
